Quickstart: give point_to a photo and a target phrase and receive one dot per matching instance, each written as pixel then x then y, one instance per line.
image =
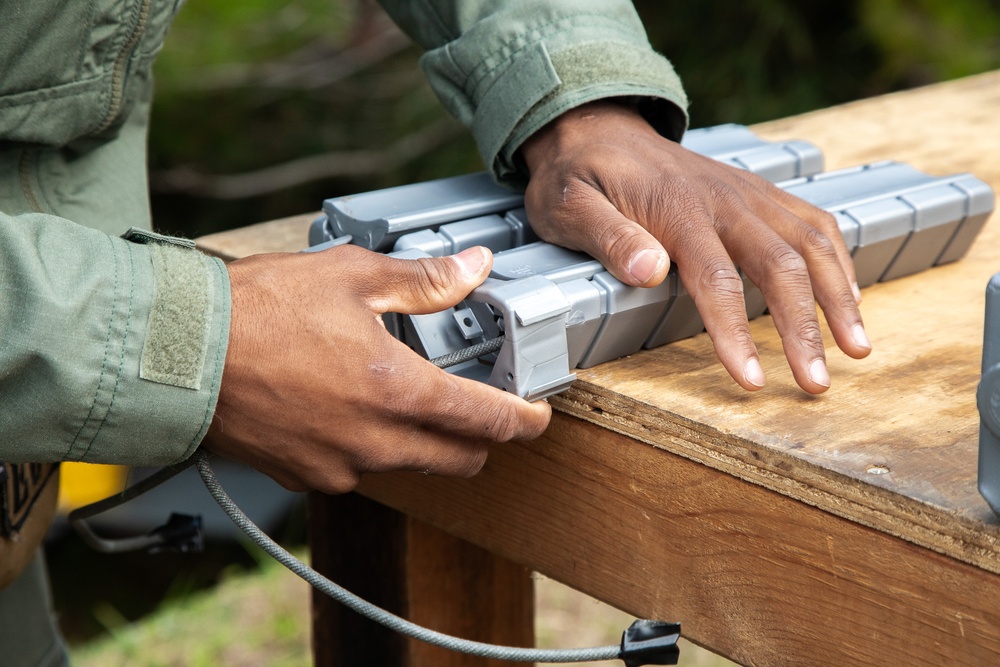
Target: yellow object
pixel 84 483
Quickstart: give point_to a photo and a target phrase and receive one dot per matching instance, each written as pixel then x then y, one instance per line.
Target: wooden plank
pixel 755 575
pixel 459 588
pixel 285 235
pixel 415 571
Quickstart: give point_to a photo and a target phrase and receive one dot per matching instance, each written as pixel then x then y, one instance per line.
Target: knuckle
pixel 686 211
pixel 845 303
pixel 434 282
pixel 807 330
pixel 342 481
pixel 502 425
pixel 473 461
pixel 825 222
pixel 722 279
pixel 817 243
pixel 616 240
pixel 406 403
pixel 723 194
pixel 344 484
pixel 782 261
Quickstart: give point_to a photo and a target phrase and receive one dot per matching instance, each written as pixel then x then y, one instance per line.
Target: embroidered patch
pixel 21 484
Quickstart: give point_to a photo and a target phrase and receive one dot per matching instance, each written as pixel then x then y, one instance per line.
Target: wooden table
pixel 780 528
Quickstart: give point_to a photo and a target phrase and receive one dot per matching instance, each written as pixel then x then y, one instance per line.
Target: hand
pixel 604 182
pixel 316 392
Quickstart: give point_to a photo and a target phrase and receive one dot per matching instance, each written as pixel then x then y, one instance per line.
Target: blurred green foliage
pixel 245 86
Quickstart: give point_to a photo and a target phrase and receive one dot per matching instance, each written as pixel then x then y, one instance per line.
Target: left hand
pixel 604 182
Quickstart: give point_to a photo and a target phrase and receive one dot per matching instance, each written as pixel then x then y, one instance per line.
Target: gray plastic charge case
pixel 376 220
pixel 988 400
pixel 560 310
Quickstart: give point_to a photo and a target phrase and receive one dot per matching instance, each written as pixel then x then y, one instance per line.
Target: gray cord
pixel 510 653
pixel 379 615
pixel 468 353
pixel 77 518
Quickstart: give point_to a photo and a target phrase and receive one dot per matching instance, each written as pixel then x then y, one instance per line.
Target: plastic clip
pixel 650 643
pixel 182 533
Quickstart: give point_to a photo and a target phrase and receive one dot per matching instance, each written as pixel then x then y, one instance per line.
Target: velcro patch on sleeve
pixel 177 337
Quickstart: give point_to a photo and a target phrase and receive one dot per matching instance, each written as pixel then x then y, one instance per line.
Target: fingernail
pixel 645 263
pixel 818 373
pixel 471 261
pixel 860 337
pixel 857 292
pixel 753 373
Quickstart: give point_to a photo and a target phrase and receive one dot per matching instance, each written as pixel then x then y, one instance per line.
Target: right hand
pixel 316 392
pixel 605 182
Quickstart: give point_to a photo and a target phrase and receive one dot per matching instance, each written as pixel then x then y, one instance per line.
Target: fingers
pixel 712 280
pixel 814 238
pixel 476 410
pixel 821 220
pixel 436 424
pixel 424 285
pixel 796 264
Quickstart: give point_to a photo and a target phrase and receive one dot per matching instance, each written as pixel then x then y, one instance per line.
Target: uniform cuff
pixel 156 401
pixel 534 76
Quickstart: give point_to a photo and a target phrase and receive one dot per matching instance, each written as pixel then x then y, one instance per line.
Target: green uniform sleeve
pixel 113 349
pixel 505 68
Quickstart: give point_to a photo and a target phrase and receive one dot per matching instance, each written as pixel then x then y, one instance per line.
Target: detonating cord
pixel 378 614
pixel 645 642
pixel 468 353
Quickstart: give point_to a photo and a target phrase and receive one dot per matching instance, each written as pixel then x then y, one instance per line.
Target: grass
pixel 249 619
pixel 261 617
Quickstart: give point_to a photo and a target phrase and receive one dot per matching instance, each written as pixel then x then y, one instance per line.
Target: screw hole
pixel 467 322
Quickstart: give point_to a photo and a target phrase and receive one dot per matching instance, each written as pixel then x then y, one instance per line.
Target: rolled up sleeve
pixel 507 68
pixel 113 348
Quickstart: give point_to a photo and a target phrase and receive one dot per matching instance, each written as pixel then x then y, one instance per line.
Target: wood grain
pixel 750 573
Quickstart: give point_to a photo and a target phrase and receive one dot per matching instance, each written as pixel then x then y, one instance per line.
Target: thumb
pixel 628 251
pixel 597 227
pixel 427 285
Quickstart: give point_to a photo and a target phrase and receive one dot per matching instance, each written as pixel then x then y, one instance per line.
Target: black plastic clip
pixel 651 643
pixel 182 533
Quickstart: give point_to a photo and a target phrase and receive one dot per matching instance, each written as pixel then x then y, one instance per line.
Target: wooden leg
pixel 418 572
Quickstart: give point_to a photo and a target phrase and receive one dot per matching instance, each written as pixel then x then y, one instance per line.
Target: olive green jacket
pixel 113 348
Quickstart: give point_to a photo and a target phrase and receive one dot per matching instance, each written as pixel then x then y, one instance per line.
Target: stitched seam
pixel 121 361
pixel 86 42
pixel 24 172
pixel 104 364
pixel 119 71
pixel 217 380
pixel 527 40
pixel 68 90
